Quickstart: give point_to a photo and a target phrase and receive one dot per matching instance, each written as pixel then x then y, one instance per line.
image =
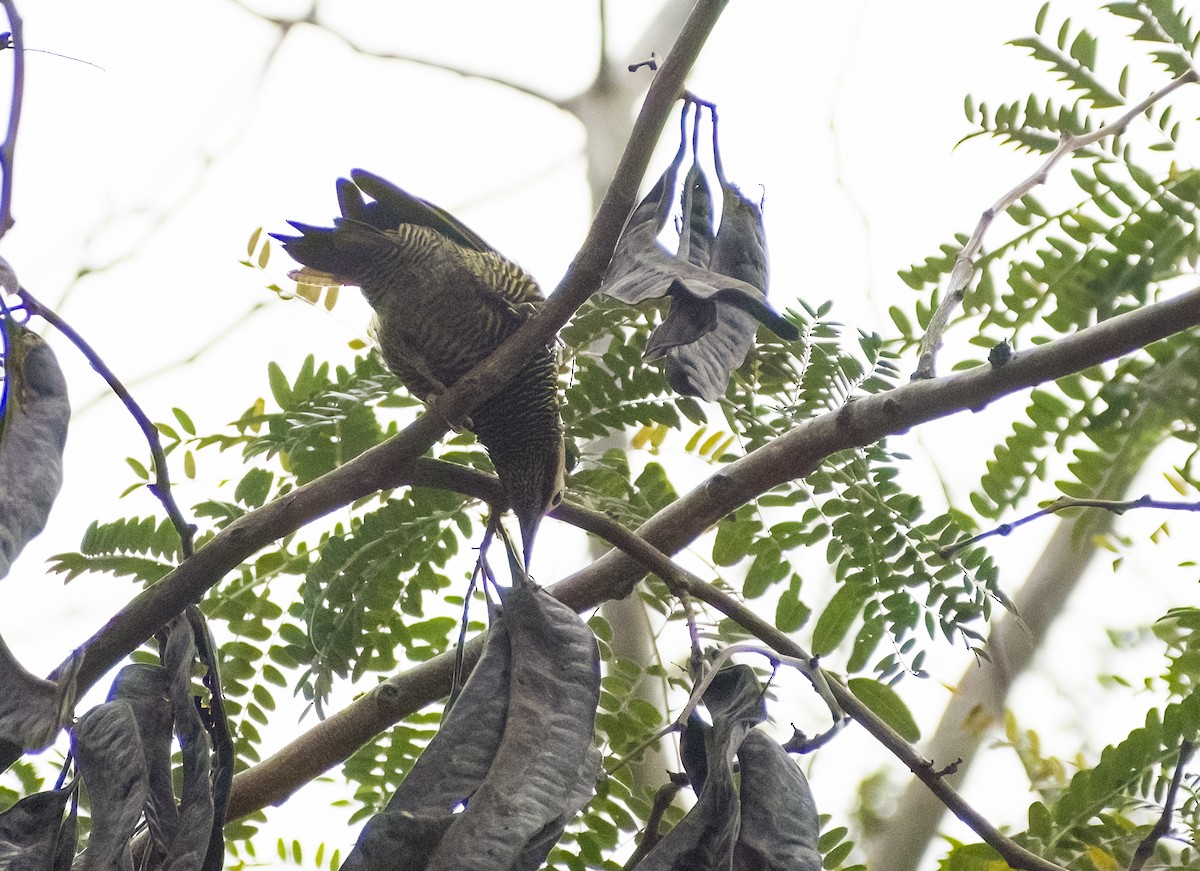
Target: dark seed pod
pixel 642 269
pixel 33 432
pixel 145 688
pixel 704 839
pixel 779 817
pixel 33 835
pixel 109 754
pixel 535 778
pixel 449 770
pixel 702 368
pixel 33 709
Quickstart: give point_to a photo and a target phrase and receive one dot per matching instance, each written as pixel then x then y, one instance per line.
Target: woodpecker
pixel 444 300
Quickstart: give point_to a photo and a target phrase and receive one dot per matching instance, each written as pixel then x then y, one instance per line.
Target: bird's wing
pixel 393 206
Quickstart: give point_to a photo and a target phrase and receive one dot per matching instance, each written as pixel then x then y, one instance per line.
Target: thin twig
pixel 1063 504
pixel 964 265
pixel 651 834
pixel 9 147
pixel 285 24
pixel 161 488
pixel 1146 848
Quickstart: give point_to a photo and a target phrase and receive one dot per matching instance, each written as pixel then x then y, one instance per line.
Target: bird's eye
pixel 556 499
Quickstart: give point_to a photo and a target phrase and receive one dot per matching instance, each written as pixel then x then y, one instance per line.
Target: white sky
pixel 156 170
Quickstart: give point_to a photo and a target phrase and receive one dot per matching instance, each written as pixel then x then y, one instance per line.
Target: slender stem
pixel 1065 503
pixel 964 265
pixel 161 488
pixel 9 146
pixel 1146 848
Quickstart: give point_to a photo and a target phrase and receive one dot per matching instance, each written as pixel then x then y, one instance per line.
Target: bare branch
pixel 614 575
pixel 1065 503
pixel 964 265
pixel 9 146
pixel 161 488
pixel 285 24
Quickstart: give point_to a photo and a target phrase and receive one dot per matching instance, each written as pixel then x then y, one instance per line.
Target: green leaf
pixel 280 389
pixel 837 618
pixel 887 705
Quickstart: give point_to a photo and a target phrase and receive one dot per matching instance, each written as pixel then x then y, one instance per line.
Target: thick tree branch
pixel 335 739
pixel 794 455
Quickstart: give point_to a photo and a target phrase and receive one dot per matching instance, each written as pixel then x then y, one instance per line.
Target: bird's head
pixel 534 486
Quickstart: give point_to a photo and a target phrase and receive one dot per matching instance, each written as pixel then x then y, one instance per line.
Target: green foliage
pixel 1100 816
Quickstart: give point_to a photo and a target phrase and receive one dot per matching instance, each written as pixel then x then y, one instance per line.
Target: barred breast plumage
pixel 444 300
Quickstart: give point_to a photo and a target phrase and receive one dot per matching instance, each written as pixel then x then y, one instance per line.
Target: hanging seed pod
pixel 704 839
pixel 535 778
pixel 449 770
pixel 109 754
pixel 145 688
pixel 642 269
pixel 33 432
pixel 198 844
pixel 702 367
pixel 780 828
pixel 33 709
pixel 34 836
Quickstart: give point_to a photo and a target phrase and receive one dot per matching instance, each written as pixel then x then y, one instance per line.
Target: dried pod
pixel 449 770
pixel 642 269
pixel 198 842
pixel 146 689
pixel 33 432
pixel 780 828
pixel 33 709
pixel 704 839
pixel 702 367
pixel 34 836
pixel 109 754
pixel 535 778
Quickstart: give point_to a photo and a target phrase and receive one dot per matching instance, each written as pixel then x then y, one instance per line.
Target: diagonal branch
pixel 161 488
pixel 293 766
pixel 964 265
pixel 390 464
pixel 614 575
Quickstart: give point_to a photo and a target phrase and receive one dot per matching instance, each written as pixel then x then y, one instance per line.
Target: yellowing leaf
pixel 711 442
pixel 308 292
pixel 641 438
pixel 253 243
pixel 1101 860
